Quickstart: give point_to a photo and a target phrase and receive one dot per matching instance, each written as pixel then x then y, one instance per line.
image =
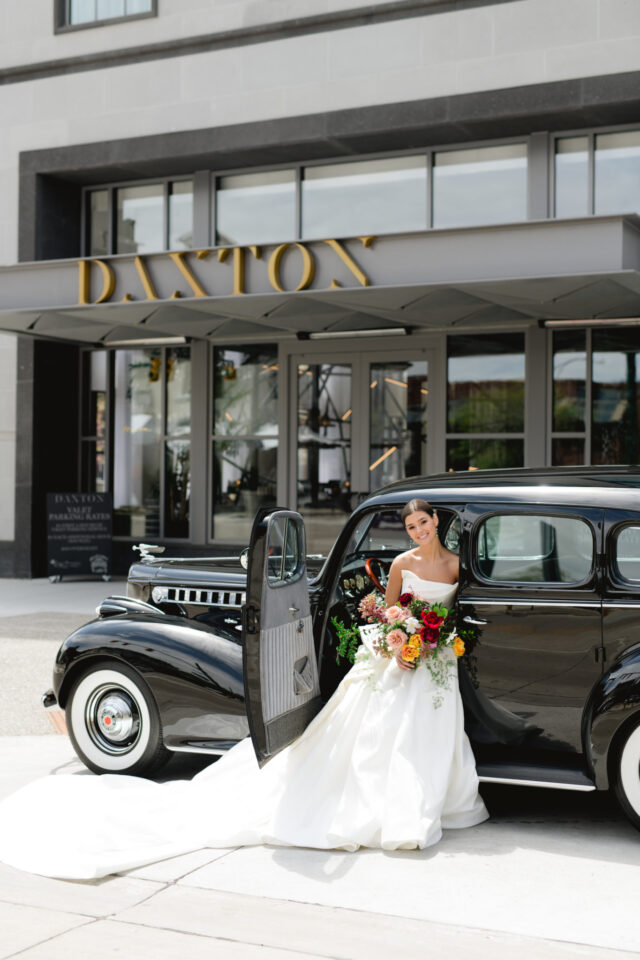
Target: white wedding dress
pixel 380 766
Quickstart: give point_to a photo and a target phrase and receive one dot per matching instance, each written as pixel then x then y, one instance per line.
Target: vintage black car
pixel 549 592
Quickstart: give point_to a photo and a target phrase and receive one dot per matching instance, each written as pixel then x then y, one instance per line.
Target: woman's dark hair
pixel 415 506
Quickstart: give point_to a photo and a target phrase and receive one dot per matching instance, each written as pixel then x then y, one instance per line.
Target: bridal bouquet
pixel 411 629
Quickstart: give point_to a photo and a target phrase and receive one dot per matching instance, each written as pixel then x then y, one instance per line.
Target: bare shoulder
pixel 403 560
pixel 453 564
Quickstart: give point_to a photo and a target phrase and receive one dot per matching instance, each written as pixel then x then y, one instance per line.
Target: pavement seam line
pixel 53 937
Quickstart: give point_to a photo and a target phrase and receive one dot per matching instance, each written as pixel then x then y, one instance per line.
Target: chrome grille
pixel 203 598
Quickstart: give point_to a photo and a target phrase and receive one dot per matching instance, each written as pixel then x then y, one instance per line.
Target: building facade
pixel 266 251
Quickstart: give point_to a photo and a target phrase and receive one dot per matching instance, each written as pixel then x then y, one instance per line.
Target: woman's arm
pixel 394 584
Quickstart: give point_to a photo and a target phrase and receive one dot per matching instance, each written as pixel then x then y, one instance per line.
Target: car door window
pixel 627 553
pixel 525 548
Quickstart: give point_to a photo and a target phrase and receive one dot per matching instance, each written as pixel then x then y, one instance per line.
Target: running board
pixel 553 778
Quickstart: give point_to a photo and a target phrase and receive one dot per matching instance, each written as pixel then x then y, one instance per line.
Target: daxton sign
pixel 284 264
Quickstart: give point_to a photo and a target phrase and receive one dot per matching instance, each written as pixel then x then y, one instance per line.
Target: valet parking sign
pixel 79 534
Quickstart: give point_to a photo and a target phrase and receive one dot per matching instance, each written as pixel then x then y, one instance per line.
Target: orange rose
pixel 409 653
pixel 458 647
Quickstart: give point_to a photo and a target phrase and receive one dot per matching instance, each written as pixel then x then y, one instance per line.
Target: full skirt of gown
pixel 386 764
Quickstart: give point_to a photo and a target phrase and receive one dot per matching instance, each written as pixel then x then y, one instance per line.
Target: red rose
pixel 405 599
pixel 429 635
pixel 432 619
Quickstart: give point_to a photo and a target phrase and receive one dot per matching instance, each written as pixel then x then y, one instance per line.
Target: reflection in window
pixel 370 196
pixel 398 421
pixel 484 453
pixel 140 219
pixel 483 185
pixel 485 384
pixel 615 395
pixel 245 442
pixel 534 549
pixel 569 397
pixel 628 553
pixel 94 421
pixel 572 177
pixel 181 215
pixel 617 172
pixel 99 223
pixel 256 208
pixel 151 483
pixel 324 450
pixel 90 11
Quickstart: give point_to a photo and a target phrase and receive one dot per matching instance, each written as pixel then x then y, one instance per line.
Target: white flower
pixel 412 624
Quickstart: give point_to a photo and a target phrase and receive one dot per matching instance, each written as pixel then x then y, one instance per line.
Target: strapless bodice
pixel 433 591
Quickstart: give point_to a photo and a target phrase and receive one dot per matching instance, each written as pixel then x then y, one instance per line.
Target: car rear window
pixel 627 553
pixel 527 548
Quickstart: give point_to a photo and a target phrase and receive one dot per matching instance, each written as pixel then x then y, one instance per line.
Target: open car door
pixel 281 687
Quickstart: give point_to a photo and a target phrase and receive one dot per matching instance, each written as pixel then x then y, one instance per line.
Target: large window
pixel 485 401
pixel 596 396
pixel 256 208
pixel 597 174
pixel 483 185
pixel 95 375
pixel 138 219
pixel 398 394
pixel 71 13
pixel 372 196
pixel 245 437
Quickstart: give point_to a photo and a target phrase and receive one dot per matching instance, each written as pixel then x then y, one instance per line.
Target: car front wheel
pixel 626 778
pixel 113 721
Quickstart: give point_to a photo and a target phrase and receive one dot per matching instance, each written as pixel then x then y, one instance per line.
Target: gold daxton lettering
pixel 308 266
pixel 349 262
pixel 238 264
pixel 194 283
pixel 147 282
pixel 84 282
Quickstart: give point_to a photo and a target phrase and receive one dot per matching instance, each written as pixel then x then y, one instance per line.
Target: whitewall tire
pixel 113 721
pixel 626 780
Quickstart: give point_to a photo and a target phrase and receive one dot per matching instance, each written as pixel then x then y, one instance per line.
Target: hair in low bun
pixel 416 506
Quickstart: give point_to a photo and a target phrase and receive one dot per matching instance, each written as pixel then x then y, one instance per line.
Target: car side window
pixel 525 548
pixel 627 553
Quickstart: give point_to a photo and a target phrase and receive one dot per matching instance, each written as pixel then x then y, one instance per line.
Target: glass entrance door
pixel 361 422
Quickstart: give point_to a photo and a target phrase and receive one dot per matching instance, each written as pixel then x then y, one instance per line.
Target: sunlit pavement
pixel 552 874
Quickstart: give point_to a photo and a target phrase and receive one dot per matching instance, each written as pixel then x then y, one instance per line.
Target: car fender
pixel 195 675
pixel 613 703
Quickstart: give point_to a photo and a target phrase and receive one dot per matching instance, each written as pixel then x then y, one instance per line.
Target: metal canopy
pixel 546 270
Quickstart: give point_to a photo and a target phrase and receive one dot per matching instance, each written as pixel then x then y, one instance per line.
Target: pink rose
pixel 396 638
pixel 395 614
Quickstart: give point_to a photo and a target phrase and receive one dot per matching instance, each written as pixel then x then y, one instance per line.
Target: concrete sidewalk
pixel 548 876
pixel 22 597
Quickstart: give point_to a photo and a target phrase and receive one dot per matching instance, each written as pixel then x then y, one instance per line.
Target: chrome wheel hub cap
pixel 114 718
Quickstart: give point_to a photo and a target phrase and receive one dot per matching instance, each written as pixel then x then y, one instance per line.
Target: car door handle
pixel 476 623
pixel 293 611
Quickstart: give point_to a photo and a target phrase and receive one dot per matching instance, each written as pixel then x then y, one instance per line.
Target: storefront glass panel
pixel 177 488
pixel 99 223
pixel 398 421
pixel 178 391
pixel 181 215
pixel 485 384
pixel 94 388
pixel 371 196
pixel 569 381
pixel 92 466
pixel 256 208
pixel 244 479
pixel 140 219
pixel 480 186
pixel 617 172
pixel 484 453
pixel 245 442
pixel 567 451
pixel 138 435
pixel 572 177
pixel 324 450
pixel 615 395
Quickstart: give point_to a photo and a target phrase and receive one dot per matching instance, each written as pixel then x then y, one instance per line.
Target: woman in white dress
pixel 386 763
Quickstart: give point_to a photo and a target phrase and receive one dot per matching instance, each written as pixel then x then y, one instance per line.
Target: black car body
pixel 549 588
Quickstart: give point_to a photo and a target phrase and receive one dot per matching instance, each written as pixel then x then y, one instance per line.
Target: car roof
pixel 613 486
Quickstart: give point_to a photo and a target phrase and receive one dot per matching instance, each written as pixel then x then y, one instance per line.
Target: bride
pixel 386 763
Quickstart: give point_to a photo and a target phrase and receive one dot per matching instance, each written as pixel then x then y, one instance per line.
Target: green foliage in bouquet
pixel 348 640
